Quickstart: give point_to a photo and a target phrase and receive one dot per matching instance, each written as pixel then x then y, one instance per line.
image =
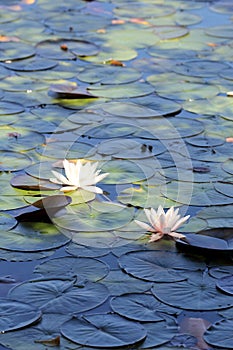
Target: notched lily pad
pixel 15 315
pixel 103 331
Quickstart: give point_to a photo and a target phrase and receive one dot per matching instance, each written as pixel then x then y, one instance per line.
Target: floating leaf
pixel 15 315
pixel 197 293
pixel 103 331
pixel 157 266
pixel 82 268
pixel 226 284
pixel 220 334
pixel 140 307
pixel 60 296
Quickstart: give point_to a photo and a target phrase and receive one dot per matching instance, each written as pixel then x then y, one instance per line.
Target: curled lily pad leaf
pixel 140 307
pixel 157 266
pixel 103 331
pixel 220 334
pixel 204 244
pixel 70 91
pixel 83 268
pixel 198 292
pixel 15 315
pixel 60 296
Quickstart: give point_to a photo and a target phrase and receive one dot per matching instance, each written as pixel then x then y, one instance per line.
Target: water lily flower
pixel 79 176
pixel 163 223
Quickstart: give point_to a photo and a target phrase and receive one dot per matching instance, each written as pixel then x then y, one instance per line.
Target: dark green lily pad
pixel 82 251
pixel 103 331
pixel 140 307
pixel 220 334
pixel 82 268
pixel 18 256
pixel 197 293
pixel 157 266
pixel 60 296
pixel 119 283
pixel 15 315
pixel 159 333
pixel 226 284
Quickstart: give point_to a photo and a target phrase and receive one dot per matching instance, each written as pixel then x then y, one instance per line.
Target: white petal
pixel 68 188
pixel 144 226
pixel 180 222
pixel 94 189
pixel 100 177
pixel 61 178
pixel 155 237
pixel 176 235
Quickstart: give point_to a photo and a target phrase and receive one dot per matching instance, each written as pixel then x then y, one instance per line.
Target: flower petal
pixel 144 226
pixel 176 235
pixel 155 237
pixel 180 222
pixel 61 178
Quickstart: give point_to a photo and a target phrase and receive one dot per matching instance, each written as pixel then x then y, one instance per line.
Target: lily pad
pixel 226 284
pixel 7 222
pixel 82 268
pixel 96 217
pixel 60 296
pixel 103 331
pixel 15 315
pixel 13 161
pixel 197 293
pixel 220 334
pixel 140 307
pixel 18 139
pixel 157 266
pixel 11 51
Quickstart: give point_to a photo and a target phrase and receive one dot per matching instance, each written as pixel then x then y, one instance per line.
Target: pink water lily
pixel 79 175
pixel 162 223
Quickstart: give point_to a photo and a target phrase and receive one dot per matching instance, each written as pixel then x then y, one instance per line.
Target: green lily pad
pixel 156 266
pixel 98 216
pixel 18 139
pixel 121 91
pixel 128 148
pixel 15 315
pixel 200 68
pixel 7 222
pixel 32 237
pixel 140 307
pixel 128 110
pixel 103 331
pixel 220 31
pixel 82 268
pixel 60 296
pixel 196 293
pixel 59 49
pixel 11 51
pixel 13 161
pixel 30 65
pixel 105 74
pixel 119 283
pixel 220 334
pixel 66 150
pixel 126 171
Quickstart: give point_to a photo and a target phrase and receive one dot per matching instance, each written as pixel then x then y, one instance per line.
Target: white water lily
pixel 163 223
pixel 79 176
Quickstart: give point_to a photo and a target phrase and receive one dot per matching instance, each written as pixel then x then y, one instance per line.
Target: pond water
pixel 145 89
